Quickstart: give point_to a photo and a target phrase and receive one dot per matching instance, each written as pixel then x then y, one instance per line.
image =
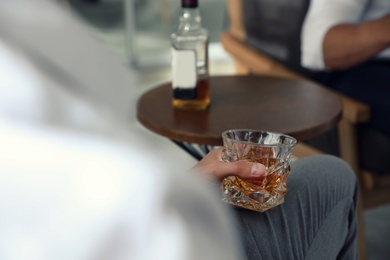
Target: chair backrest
pixel 274 27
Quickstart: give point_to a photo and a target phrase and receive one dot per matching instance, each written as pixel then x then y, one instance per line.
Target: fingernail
pixel 257 169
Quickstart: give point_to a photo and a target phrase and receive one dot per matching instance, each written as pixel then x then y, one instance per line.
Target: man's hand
pixel 212 166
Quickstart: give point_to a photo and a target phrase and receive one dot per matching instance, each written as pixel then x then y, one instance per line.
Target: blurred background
pixel 140 29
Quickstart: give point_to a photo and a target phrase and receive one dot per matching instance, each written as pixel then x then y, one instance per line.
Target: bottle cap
pixel 189 3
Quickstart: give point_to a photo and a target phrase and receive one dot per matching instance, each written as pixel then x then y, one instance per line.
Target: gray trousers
pixel 317 220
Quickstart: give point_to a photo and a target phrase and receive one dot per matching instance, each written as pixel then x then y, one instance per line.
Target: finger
pixel 242 169
pixel 245 169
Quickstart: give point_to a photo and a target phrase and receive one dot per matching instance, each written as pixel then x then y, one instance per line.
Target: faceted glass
pixel 271 149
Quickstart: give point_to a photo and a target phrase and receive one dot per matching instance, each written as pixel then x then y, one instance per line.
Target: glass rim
pixel 224 135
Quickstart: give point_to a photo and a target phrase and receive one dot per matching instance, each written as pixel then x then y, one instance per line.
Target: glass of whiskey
pixel 274 150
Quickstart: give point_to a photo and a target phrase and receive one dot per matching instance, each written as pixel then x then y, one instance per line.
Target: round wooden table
pixel 298 108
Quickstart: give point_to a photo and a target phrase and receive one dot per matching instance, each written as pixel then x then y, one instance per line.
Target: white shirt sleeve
pixel 66 195
pixel 321 16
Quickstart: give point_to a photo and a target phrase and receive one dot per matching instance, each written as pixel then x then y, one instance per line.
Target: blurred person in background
pixel 80 180
pixel 346 44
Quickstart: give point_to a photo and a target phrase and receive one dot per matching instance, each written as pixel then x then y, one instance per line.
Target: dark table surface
pixel 298 108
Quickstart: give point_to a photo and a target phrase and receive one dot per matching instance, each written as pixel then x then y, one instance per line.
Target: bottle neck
pixel 190 20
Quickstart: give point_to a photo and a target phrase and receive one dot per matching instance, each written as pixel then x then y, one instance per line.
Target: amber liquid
pixel 201 100
pixel 273 181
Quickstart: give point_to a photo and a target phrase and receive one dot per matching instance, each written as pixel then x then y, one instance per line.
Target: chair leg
pixel 361 233
pixel 164 12
pixel 348 147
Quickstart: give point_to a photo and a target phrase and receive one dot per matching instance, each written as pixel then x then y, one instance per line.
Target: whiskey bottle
pixel 190 76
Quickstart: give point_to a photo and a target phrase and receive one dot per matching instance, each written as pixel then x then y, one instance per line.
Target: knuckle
pixel 239 167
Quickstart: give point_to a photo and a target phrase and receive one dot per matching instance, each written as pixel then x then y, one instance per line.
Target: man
pixel 347 46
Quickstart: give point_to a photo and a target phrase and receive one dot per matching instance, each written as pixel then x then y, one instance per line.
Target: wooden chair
pixel 251 56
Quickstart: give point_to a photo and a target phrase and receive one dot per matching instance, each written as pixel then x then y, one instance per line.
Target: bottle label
pixel 184 75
